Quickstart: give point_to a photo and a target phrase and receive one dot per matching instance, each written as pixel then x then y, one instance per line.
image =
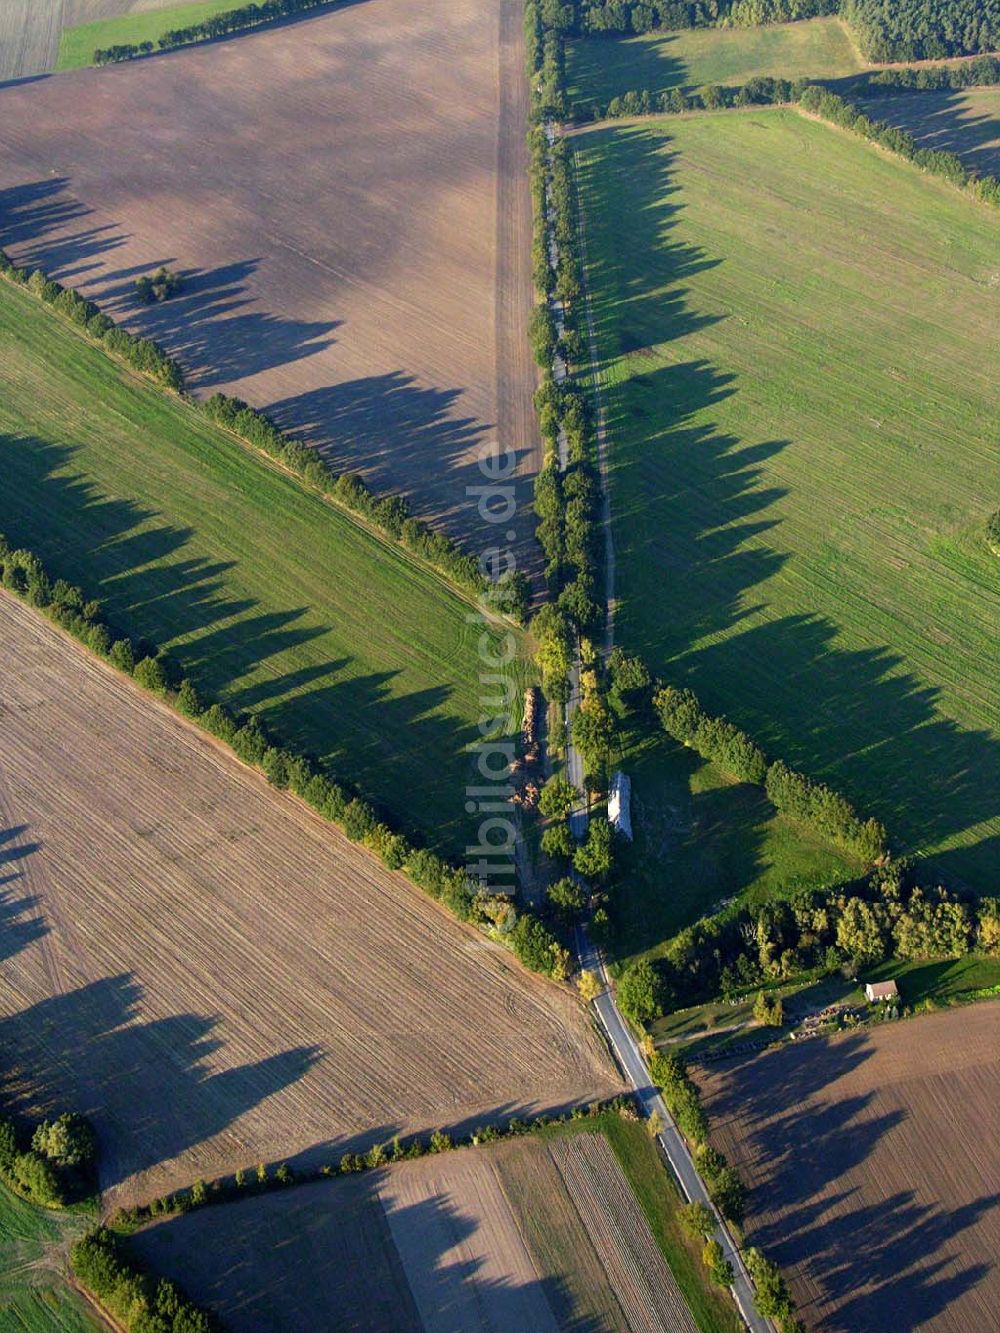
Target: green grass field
pixel 600 68
pixel 77 45
pixel 34 1295
pixel 701 840
pixel 271 599
pixel 798 343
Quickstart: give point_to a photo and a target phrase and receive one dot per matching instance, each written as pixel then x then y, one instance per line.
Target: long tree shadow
pixel 693 514
pixel 210 325
pixel 941 120
pixel 891 1263
pixel 249 655
pixel 34 217
pixel 143 1082
pixel 374 1260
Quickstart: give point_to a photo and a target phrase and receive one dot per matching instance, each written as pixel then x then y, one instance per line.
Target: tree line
pixel 508 594
pixel 599 17
pixel 981 72
pixel 139 1301
pixel 887 916
pixel 826 105
pixel 889 30
pixel 141 353
pixel 246 1183
pixel 23 574
pixel 219 25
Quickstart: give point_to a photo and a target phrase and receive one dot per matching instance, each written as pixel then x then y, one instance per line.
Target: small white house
pixel 881 991
pixel 619 803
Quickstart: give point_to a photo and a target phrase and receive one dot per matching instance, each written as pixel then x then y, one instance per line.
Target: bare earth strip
pixel 460 1247
pixel 212 972
pixel 331 189
pixel 874 1171
pixel 619 1233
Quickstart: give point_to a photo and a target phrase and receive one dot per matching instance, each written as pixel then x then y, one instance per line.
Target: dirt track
pixel 215 974
pixel 873 1163
pixel 347 196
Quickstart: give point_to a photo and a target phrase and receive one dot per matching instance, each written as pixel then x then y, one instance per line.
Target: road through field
pixel 213 973
pixel 631 1061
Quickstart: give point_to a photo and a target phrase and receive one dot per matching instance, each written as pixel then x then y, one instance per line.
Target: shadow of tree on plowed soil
pixel 143 1081
pixel 338 1255
pixel 890 1264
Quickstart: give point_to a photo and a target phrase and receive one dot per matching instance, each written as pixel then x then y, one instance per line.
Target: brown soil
pixel 874 1171
pixel 346 196
pixel 215 974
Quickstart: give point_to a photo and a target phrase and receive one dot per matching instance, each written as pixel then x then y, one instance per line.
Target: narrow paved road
pixel 631 1061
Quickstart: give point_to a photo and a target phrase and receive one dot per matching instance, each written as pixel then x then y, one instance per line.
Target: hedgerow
pixel 23 574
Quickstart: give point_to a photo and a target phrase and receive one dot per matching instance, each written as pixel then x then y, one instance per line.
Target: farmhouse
pixel 879 991
pixel 619 815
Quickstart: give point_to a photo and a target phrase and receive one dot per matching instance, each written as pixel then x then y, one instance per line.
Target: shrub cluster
pixel 219 25
pixel 142 353
pixel 22 573
pixel 158 286
pixel 262 1179
pixel 56 1166
pixel 890 30
pixel 718 740
pixel 138 1301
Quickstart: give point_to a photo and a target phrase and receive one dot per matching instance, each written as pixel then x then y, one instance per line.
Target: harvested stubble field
pixel 347 197
pixel 966 123
pixel 600 68
pixel 214 974
pixel 533 1234
pixel 803 452
pixel 269 599
pixel 873 1169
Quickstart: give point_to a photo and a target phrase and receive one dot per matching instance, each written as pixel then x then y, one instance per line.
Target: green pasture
pixel 269 598
pixel 599 68
pixel 34 1294
pixel 702 840
pixel 798 343
pixel 77 45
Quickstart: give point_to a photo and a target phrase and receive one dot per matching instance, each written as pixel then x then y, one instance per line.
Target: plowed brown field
pixel 348 197
pixel 498 1239
pixel 874 1170
pixel 214 974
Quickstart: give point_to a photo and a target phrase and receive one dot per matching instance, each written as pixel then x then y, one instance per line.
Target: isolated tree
pixel 557 840
pixel 566 897
pixel 640 992
pixel 558 797
pixel 589 985
pixel 594 857
pixel 698 1220
pixel 719 1268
